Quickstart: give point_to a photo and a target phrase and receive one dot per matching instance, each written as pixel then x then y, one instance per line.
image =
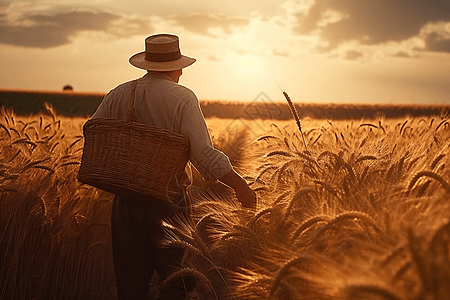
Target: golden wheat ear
pixel 296 117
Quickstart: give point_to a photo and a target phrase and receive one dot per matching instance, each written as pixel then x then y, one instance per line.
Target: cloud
pixel 213 57
pixel 47 31
pixel 352 55
pixel 280 52
pixel 402 54
pixel 370 22
pixel 436 42
pixel 5 3
pixel 206 24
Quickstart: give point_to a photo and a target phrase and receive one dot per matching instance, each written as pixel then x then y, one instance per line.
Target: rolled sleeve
pixel 210 162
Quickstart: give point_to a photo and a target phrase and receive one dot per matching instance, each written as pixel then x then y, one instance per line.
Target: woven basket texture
pixel 133 159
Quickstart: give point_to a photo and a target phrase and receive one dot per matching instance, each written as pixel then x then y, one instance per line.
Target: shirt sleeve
pixel 210 162
pixel 104 109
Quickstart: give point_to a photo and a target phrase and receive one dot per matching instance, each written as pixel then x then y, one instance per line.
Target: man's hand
pixel 247 197
pixel 244 193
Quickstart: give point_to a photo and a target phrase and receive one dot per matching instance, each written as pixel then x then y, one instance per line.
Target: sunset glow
pixel 343 51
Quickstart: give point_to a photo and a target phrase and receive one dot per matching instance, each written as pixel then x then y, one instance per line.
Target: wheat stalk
pixel 284 271
pixel 258 216
pixel 430 174
pixel 308 224
pixel 436 160
pixel 296 117
pixel 350 215
pixel 358 291
pixel 187 274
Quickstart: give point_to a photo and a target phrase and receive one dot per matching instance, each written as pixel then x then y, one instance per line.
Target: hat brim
pixel 138 60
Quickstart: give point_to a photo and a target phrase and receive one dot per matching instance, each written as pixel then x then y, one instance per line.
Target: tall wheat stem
pixel 296 117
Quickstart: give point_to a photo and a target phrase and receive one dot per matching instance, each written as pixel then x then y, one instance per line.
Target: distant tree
pixel 67 87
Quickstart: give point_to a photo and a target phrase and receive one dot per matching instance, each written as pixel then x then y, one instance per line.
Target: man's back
pixel 158 101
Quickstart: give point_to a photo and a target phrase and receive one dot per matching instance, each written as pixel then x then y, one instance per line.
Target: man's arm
pixel 210 162
pixel 244 193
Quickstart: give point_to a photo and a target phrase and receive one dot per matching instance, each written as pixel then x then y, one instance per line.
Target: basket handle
pixel 131 114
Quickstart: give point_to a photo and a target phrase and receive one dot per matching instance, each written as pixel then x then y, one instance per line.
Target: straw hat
pixel 162 53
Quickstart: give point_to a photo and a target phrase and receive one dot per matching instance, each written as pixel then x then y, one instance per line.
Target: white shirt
pixel 161 102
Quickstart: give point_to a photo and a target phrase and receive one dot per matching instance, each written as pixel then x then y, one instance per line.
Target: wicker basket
pixel 133 159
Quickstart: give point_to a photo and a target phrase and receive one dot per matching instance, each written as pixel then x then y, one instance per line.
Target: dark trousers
pixel 136 232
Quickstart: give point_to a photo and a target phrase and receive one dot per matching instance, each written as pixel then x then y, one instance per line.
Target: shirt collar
pixel 155 74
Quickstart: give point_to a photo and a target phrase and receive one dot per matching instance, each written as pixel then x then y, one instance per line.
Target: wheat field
pixel 362 213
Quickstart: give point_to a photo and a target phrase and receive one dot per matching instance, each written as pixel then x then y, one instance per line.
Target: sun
pixel 248 64
pixel 247 61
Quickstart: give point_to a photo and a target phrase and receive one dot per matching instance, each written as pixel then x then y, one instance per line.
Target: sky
pixel 327 51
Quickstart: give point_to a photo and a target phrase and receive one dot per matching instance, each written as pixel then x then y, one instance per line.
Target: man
pixel 160 101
